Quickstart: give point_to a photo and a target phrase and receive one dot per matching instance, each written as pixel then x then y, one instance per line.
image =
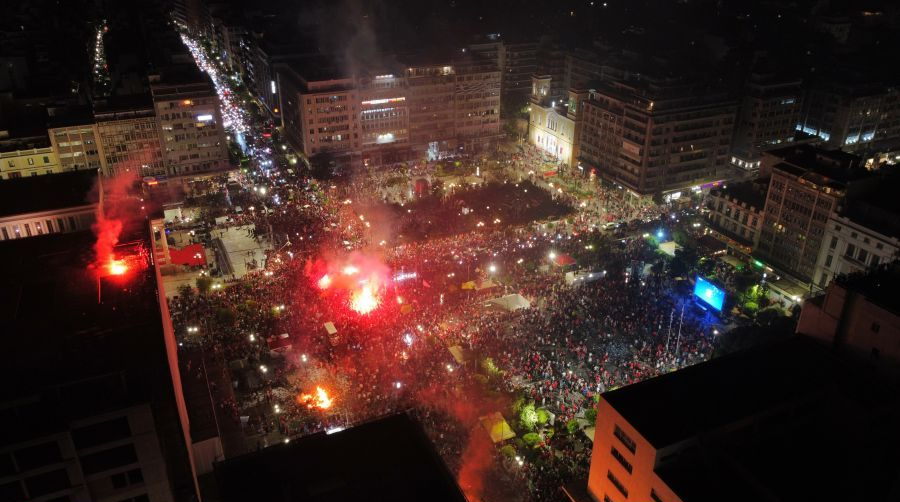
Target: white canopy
pixel 509 303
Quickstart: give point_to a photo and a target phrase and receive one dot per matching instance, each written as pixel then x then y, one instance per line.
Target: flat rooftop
pixel 684 404
pixel 810 161
pixel 878 285
pixel 878 207
pixel 844 433
pixel 75 345
pixel 751 192
pixel 389 459
pixel 47 192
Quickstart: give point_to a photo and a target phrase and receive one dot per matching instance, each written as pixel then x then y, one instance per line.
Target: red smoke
pixel 114 211
pixel 477 459
pixel 361 277
pixel 478 455
pixel 108 232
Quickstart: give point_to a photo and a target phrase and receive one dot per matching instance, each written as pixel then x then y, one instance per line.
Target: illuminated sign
pixel 272 82
pixel 709 294
pixel 204 118
pixel 383 101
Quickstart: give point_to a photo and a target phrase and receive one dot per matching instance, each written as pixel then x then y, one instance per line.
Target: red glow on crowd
pixel 320 400
pixel 363 300
pixel 358 279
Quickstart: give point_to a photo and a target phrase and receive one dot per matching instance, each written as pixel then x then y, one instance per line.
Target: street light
pixel 492 268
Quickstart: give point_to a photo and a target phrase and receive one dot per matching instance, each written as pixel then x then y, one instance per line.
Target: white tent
pixel 509 303
pixel 669 247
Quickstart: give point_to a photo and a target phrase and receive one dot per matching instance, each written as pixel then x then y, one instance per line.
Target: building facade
pixel 76 146
pixel 130 141
pixel 16 163
pixel 555 126
pixel 476 102
pixel 857 313
pixel 657 137
pixel 193 137
pixel 707 432
pixel 767 118
pixel 419 111
pixel 51 204
pixel 430 90
pixel 861 117
pixel 850 247
pixel 806 188
pixel 109 456
pixel 736 214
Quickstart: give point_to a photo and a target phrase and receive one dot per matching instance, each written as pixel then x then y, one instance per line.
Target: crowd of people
pixel 570 344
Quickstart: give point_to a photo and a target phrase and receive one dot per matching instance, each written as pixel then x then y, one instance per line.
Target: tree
pixel 744 280
pixel 531 439
pixel 528 417
pixel 517 405
pixel 591 416
pixel 508 451
pixel 204 283
pixel 543 416
pixel 572 426
pixel 185 291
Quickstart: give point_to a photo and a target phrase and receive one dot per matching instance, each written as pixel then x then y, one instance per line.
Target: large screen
pixel 709 293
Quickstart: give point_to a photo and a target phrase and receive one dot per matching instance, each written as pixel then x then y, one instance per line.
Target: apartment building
pixel 476 102
pixel 386 116
pixel 430 90
pixel 517 62
pixel 42 205
pixel 766 119
pixel 657 136
pixel 129 137
pixel 29 157
pixel 320 108
pixel 857 115
pixel 383 118
pixel 74 139
pixel 806 189
pixel 190 123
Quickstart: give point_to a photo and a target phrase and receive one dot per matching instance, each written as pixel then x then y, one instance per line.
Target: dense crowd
pixel 569 345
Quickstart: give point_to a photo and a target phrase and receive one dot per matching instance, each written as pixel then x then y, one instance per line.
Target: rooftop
pixel 878 208
pixel 386 459
pixel 684 404
pixel 75 345
pixel 823 167
pixel 49 192
pixel 754 417
pixel 753 193
pixel 878 285
pixel 111 107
